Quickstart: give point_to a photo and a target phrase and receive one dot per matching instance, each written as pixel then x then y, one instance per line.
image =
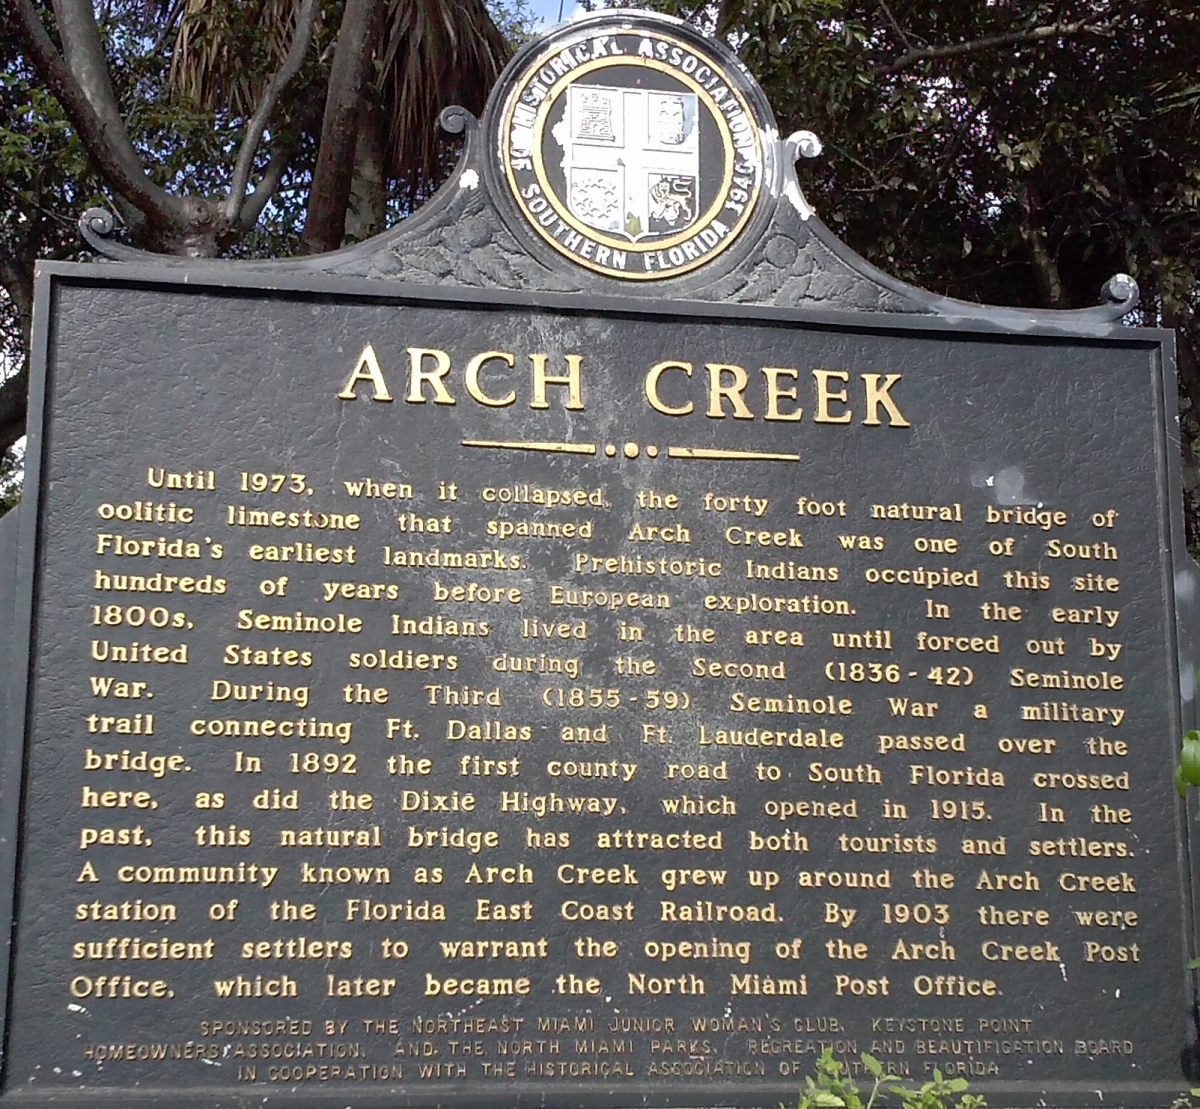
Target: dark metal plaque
pixel 439 681
pixel 445 700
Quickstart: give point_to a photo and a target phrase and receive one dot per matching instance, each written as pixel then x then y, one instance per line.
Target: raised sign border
pixel 1179 575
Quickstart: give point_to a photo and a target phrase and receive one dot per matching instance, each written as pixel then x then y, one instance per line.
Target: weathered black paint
pixel 245 378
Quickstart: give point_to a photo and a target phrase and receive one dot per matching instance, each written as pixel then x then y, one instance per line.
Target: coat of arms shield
pixel 631 159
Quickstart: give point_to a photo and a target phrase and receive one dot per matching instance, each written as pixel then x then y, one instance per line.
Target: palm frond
pixel 433 53
pixel 226 50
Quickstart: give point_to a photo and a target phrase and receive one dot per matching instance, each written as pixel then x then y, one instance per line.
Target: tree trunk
pixel 325 226
pixel 366 212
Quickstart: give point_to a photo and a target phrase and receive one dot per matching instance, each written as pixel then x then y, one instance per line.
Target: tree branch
pixel 1175 315
pixel 292 62
pixel 990 42
pixel 105 140
pixel 726 13
pixel 1034 237
pixel 935 180
pixel 84 55
pixel 1185 361
pixel 254 204
pixel 16 277
pixel 896 26
pixel 14 395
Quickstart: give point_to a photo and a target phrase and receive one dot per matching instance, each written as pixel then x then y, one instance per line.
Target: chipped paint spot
pixel 1010 487
pixel 469 179
pixel 791 190
pixel 1185 584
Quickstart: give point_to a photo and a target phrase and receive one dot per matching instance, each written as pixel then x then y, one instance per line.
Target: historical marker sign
pixel 457 674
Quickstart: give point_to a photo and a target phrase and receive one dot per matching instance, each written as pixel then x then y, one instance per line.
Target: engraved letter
pixel 472 379
pixel 652 396
pixel 824 396
pixel 774 392
pixel 877 396
pixel 733 392
pixel 417 376
pixel 366 369
pixel 572 381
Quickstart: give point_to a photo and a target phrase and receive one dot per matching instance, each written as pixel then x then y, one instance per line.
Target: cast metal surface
pixel 256 368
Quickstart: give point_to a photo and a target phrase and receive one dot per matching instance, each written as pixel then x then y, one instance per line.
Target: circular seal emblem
pixel 632 145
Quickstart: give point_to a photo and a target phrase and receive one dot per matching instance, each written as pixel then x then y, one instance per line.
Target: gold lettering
pixel 877 396
pixel 418 376
pixel 471 378
pixel 774 393
pixel 651 387
pixel 732 392
pixel 572 381
pixel 825 395
pixel 366 369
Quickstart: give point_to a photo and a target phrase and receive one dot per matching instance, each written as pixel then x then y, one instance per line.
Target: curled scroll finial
pixel 799 144
pixel 1120 290
pixel 97 225
pixel 456 120
pixel 805 144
